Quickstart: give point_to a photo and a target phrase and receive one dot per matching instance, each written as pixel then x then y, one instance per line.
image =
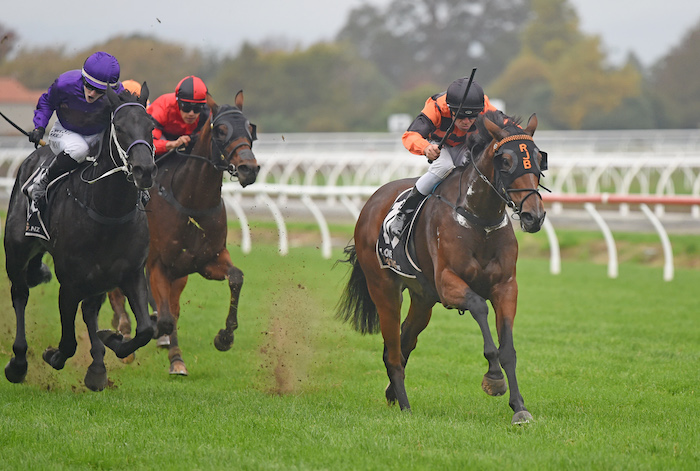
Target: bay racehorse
pixel 98 240
pixel 466 248
pixel 187 221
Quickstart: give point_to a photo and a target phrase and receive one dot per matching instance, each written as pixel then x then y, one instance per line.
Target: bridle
pixel 521 148
pixel 125 166
pixel 220 158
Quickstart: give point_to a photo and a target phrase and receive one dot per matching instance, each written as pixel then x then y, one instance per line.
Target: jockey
pixel 426 132
pixel 77 97
pixel 179 115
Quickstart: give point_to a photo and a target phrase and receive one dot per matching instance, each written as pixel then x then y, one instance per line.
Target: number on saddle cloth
pixel 396 253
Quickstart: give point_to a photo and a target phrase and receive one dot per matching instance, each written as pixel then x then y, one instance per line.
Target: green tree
pixel 676 86
pixel 326 87
pixel 562 74
pixel 414 42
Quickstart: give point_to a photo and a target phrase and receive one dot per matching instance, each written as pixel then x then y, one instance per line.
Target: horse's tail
pixel 356 305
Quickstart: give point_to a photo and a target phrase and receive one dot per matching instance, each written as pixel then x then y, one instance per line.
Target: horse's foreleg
pixel 223 268
pixel 68 306
pixel 16 368
pixel 504 303
pixel 459 295
pixel 160 290
pixel 96 375
pixel 135 288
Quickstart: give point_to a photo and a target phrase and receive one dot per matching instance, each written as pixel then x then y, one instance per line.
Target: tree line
pixel 529 53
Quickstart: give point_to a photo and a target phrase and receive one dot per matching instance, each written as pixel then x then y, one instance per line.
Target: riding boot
pixel 409 205
pixel 61 164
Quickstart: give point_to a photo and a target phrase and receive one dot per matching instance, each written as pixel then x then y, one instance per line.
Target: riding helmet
pixel 101 69
pixel 473 103
pixel 191 89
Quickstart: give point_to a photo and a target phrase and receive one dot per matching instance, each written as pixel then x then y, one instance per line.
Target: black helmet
pixel 473 103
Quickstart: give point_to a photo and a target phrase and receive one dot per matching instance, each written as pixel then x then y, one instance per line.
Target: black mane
pixel 478 141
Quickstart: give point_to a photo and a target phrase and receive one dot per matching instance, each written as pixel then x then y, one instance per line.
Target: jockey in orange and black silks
pixel 427 131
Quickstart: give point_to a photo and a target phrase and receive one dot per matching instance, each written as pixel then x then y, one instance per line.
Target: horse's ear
pixel 239 100
pixel 212 104
pixel 143 98
pixel 496 132
pixel 112 97
pixel 531 125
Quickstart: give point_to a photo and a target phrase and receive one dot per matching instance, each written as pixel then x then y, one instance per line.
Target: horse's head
pixel 132 134
pixel 517 166
pixel 232 141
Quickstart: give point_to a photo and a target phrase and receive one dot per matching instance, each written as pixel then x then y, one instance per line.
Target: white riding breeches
pixel 440 168
pixel 75 145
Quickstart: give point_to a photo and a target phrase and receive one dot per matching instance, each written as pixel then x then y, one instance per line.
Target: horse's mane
pixel 126 96
pixel 478 141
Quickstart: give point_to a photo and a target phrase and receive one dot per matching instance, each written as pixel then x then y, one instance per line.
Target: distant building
pixel 17 103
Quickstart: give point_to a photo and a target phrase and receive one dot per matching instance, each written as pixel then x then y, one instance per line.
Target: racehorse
pixel 466 248
pixel 187 221
pixel 98 240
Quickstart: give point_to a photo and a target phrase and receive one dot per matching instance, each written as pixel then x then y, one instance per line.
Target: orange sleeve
pixel 158 110
pixel 416 141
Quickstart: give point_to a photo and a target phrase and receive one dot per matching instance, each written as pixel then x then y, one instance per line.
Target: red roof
pixel 12 91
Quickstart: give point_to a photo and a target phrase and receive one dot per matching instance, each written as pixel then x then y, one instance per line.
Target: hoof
pixel 390 395
pixel 522 417
pixel 163 341
pixel 129 359
pixel 494 387
pixel 223 340
pixel 178 367
pixel 109 336
pixel 52 357
pixel 96 378
pixel 15 372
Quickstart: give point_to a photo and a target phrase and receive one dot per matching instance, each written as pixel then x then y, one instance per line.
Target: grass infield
pixel 608 368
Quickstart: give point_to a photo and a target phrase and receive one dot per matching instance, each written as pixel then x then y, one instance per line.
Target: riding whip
pixel 461 103
pixel 12 123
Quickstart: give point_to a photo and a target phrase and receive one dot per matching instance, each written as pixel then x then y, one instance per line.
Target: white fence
pixel 327 176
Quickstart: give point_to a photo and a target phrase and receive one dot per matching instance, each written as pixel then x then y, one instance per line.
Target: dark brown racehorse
pixel 99 235
pixel 187 221
pixel 466 248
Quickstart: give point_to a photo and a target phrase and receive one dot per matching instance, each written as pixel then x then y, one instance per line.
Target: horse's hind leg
pixel 68 306
pixel 416 321
pixel 177 364
pixel 222 269
pixel 96 376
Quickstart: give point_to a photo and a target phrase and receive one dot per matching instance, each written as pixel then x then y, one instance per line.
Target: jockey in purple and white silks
pixel 83 112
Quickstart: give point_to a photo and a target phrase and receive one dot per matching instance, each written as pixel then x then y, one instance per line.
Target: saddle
pixel 398 253
pixel 38 214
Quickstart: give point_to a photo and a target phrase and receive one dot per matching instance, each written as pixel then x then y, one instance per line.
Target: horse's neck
pixel 197 183
pixel 477 195
pixel 112 195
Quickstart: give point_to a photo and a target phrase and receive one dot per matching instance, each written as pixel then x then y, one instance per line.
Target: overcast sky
pixel 650 29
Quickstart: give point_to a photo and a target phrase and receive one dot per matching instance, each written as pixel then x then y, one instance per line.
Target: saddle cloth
pixel 394 253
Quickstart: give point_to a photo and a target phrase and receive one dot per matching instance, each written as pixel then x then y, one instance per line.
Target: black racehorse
pixel 98 240
pixel 466 248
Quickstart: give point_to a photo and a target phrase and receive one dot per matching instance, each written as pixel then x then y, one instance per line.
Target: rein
pixel 504 192
pixel 123 154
